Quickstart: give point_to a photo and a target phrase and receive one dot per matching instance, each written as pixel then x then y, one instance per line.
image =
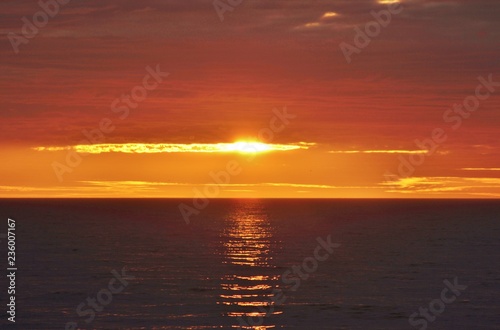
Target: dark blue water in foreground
pixel 262 264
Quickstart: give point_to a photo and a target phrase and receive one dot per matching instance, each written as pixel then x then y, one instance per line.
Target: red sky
pixel 226 77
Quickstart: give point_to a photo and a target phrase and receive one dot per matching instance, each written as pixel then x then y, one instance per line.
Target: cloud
pixel 229 185
pixel 480 169
pixel 154 148
pixel 378 151
pixel 467 185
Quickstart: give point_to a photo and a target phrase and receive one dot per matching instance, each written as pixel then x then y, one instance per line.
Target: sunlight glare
pixel 247 146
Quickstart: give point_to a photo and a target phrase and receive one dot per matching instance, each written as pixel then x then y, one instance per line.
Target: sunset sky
pixel 270 76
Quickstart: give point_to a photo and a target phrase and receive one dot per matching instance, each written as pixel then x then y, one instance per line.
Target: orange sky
pixel 170 87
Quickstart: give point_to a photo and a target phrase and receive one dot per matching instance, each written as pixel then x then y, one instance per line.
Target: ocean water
pixel 254 263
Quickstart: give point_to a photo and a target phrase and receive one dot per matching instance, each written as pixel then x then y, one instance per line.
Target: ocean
pixel 253 264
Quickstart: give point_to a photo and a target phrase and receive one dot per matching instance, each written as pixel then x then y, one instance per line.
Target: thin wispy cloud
pixel 467 185
pixel 229 185
pixel 378 151
pixel 480 169
pixel 154 148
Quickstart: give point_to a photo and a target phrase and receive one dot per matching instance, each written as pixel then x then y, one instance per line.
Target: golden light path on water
pixel 246 243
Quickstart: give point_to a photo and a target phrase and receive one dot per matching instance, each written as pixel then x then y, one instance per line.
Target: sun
pixel 247 147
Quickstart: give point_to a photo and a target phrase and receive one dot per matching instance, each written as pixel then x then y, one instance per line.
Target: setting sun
pixel 248 146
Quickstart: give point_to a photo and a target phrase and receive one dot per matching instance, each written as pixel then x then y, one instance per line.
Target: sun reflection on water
pixel 247 290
